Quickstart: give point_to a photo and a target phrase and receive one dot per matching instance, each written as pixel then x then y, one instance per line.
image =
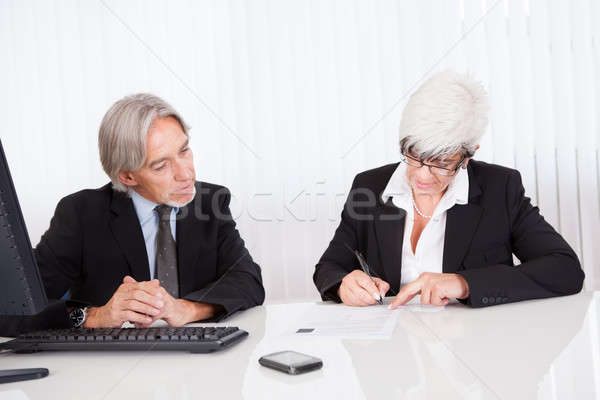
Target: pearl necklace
pixel 417 208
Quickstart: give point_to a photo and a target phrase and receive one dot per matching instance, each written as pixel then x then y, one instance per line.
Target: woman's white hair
pixel 122 136
pixel 447 115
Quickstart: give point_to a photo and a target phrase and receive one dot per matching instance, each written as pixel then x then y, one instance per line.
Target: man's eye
pixel 160 167
pixel 185 150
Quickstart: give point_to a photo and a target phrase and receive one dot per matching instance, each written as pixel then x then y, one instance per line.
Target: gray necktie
pixel 166 252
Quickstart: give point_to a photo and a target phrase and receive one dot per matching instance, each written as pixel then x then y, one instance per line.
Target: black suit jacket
pixel 95 239
pixel 480 239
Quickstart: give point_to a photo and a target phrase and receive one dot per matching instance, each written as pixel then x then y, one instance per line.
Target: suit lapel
pixel 126 229
pixel 461 224
pixel 389 232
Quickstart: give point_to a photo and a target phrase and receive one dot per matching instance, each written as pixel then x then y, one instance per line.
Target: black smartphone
pixel 291 362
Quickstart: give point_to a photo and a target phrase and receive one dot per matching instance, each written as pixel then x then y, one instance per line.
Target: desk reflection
pixel 178 375
pixel 517 348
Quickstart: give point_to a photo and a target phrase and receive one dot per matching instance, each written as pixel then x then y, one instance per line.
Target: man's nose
pixel 183 171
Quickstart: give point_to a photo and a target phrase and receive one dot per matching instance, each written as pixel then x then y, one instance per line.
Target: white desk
pixel 547 349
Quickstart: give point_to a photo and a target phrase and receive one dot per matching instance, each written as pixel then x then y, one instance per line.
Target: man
pixel 441 225
pixel 154 243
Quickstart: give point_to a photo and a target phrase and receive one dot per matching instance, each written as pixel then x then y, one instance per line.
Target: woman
pixel 441 225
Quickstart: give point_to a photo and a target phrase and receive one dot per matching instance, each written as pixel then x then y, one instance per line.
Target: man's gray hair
pixel 123 131
pixel 447 115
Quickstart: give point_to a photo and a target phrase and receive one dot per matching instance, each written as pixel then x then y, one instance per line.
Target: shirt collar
pixel 458 190
pixel 144 208
pixel 460 186
pixel 397 185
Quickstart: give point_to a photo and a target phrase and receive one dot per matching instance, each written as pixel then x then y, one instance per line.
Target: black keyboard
pixel 193 339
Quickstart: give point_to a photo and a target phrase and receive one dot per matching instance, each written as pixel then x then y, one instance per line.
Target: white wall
pixel 288 100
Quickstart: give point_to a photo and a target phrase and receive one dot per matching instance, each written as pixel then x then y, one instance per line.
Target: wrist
pixel 196 311
pixel 92 319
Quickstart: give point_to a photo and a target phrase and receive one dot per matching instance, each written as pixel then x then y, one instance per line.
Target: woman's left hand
pixel 435 289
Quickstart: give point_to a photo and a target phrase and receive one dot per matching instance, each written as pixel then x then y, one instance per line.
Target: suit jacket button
pixel 498 299
pixel 492 300
pixel 505 299
pixel 484 300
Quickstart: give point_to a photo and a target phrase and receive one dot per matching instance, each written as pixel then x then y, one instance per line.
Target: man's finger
pixel 406 294
pixel 134 317
pixel 166 296
pixel 137 325
pixel 154 283
pixel 151 287
pixel 142 326
pixel 129 279
pixel 139 307
pixel 145 297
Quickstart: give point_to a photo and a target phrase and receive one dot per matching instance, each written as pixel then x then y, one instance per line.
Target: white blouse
pixel 428 255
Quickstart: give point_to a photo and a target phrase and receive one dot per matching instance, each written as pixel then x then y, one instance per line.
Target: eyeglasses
pixel 434 169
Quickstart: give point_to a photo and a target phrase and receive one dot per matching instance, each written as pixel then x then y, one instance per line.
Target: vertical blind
pixel 289 99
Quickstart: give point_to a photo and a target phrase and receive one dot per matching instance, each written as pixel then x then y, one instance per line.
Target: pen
pixel 365 267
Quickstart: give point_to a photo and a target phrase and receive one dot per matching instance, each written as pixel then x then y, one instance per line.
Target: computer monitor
pixel 21 288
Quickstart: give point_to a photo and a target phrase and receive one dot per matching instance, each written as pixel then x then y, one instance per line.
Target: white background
pixel 288 100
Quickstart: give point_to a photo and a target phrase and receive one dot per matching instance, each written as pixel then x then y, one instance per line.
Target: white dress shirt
pixel 148 218
pixel 429 253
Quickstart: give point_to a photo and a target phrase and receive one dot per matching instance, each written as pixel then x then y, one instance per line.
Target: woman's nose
pixel 424 173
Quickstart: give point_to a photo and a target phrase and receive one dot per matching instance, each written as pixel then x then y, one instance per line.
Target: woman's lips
pixel 422 185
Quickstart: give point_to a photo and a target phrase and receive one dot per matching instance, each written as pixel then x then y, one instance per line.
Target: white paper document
pixel 423 308
pixel 374 322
